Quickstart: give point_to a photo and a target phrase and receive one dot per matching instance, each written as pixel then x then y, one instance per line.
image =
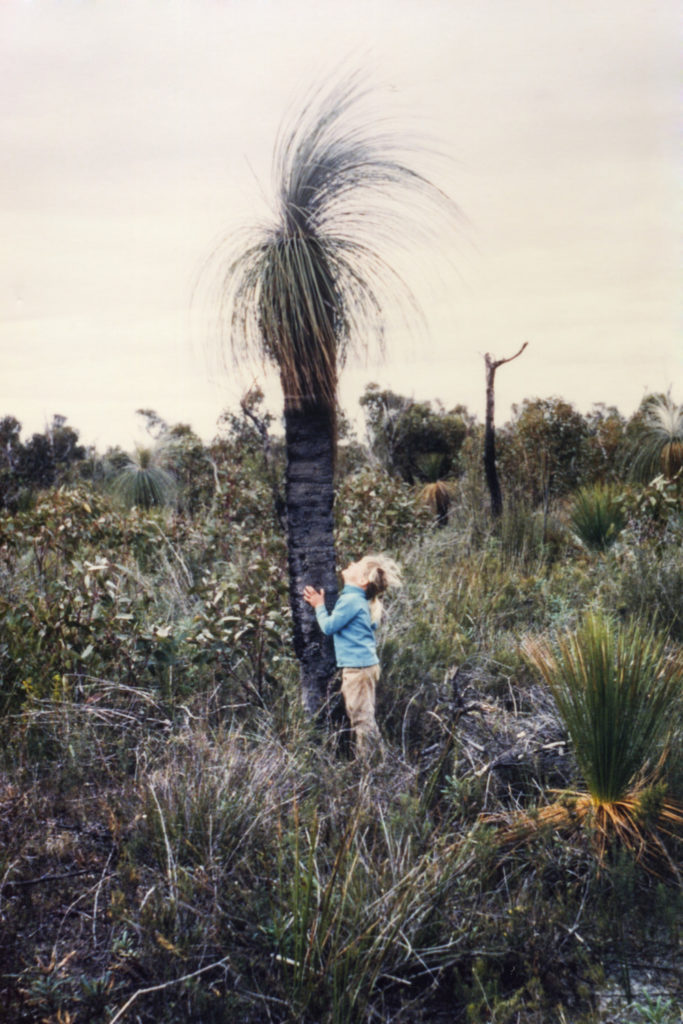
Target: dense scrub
pixel 178 843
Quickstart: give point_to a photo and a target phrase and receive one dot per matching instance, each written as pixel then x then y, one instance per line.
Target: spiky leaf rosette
pixel 617 689
pixel 143 482
pixel 597 516
pixel 659 446
pixel 313 283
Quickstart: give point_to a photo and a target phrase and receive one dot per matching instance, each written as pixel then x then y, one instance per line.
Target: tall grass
pixel 354 913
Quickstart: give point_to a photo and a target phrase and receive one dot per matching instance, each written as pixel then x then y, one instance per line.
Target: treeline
pixel 547 450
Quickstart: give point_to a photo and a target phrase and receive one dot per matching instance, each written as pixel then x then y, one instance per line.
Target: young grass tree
pixel 300 294
pixel 597 516
pixel 617 690
pixel 144 481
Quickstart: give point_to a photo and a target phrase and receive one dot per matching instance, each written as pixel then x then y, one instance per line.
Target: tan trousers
pixel 358 689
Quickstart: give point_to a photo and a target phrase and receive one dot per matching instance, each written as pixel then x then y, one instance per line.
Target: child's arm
pixel 343 611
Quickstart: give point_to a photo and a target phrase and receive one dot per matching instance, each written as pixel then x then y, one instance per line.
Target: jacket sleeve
pixel 342 613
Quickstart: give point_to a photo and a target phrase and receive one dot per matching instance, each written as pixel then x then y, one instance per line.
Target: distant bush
pixel 374 511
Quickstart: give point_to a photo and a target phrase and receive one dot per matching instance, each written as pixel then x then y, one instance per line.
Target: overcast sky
pixel 135 135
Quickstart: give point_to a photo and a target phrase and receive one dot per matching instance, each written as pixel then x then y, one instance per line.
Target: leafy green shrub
pixel 644 577
pixel 656 508
pixel 241 626
pixel 374 512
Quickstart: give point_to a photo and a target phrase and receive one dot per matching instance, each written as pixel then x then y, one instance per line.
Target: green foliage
pixel 651 588
pixel 542 453
pixel 374 512
pixel 616 689
pixel 413 440
pixel 351 914
pixel 606 445
pixel 45 460
pixel 597 516
pixel 241 625
pixel 658 507
pixel 645 571
pixel 144 482
pixel 189 463
pixel 649 1010
pixel 525 539
pixel 140 613
pixel 312 283
pixel 166 809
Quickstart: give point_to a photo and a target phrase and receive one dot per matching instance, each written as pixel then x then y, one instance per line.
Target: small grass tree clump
pixel 597 516
pixel 144 482
pixel 616 689
pixel 435 493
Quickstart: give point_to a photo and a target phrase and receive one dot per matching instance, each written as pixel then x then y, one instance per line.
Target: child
pixel 352 624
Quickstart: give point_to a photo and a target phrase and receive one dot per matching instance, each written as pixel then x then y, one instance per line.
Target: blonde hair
pixel 382 572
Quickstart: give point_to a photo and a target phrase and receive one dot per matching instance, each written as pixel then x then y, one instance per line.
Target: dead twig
pixel 167 984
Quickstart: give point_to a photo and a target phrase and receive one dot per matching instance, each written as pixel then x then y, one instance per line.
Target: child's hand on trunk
pixel 314 597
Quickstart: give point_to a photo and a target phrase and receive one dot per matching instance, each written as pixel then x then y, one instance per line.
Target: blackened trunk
pixel 490 468
pixel 309 436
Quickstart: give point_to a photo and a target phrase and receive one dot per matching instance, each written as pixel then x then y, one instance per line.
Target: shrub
pixel 375 512
pixel 644 579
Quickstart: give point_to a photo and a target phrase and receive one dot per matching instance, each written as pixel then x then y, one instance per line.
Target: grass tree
pixel 597 516
pixel 435 494
pixel 143 481
pixel 617 689
pixel 659 445
pixel 304 290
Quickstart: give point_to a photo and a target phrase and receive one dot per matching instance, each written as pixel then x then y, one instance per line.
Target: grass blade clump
pixel 616 689
pixel 143 482
pixel 597 517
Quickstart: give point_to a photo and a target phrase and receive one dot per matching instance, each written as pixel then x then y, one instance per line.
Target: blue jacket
pixel 351 629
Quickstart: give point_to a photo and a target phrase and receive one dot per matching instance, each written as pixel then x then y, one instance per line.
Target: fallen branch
pixel 48 878
pixel 166 984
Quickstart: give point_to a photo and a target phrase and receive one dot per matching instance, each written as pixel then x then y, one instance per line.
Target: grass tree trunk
pixel 309 436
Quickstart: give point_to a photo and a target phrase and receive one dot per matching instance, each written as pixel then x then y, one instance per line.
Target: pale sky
pixel 135 135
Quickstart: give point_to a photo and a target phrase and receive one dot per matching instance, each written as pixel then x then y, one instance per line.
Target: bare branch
pixel 499 362
pixel 157 988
